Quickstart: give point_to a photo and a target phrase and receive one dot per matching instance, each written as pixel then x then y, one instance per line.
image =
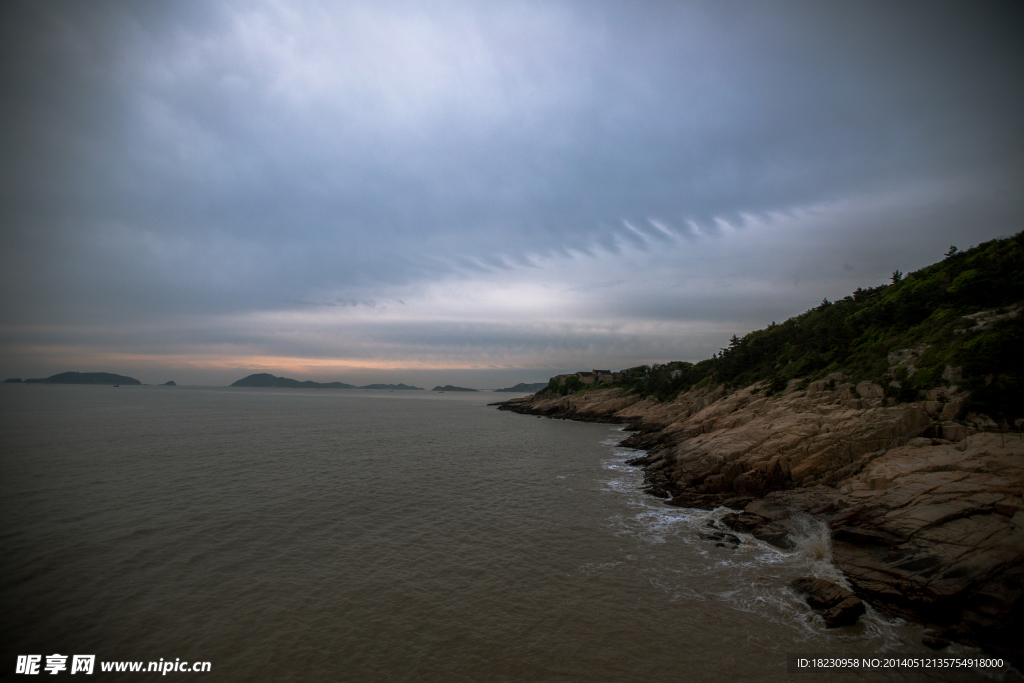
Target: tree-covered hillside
pixel 963 313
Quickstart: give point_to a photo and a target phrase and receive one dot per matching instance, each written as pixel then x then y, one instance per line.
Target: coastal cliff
pixel 925 512
pixel 893 415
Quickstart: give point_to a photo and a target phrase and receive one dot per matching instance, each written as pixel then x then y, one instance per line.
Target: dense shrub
pixel 856 334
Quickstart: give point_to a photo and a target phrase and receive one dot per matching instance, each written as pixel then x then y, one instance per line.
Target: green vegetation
pixel 567 385
pixel 923 312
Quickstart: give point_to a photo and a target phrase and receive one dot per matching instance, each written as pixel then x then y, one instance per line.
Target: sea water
pixel 339 535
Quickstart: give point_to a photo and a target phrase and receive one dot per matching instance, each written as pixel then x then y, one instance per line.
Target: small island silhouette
pixel 264 379
pixel 101 378
pixel 526 388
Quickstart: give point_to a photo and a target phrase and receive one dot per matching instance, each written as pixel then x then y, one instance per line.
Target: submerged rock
pixel 722 539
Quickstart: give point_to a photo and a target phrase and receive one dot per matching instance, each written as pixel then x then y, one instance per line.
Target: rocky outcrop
pixel 596 406
pixel 836 605
pixel 923 499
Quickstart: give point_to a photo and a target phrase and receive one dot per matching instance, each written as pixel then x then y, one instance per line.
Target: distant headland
pixel 101 378
pixel 449 387
pixel 264 379
pixel 893 417
pixel 526 388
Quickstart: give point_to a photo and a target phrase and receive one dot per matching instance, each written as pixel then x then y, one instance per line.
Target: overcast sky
pixel 479 193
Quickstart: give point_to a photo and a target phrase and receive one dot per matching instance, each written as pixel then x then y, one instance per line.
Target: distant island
pixel 264 379
pixel 169 384
pixel 449 387
pixel 526 388
pixel 102 378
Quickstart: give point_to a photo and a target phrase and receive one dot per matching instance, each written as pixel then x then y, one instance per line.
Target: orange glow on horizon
pixel 83 358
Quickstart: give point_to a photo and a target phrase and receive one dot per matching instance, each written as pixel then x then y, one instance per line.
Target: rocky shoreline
pixel 923 499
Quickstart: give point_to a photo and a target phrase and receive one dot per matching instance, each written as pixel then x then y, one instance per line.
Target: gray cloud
pixel 170 163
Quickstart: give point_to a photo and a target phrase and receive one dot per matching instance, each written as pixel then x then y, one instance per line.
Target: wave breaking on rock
pixel 921 514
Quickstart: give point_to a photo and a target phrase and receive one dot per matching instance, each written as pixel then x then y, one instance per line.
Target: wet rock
pixel 722 539
pixel 745 523
pixel 776 534
pixel 836 605
pixel 699 501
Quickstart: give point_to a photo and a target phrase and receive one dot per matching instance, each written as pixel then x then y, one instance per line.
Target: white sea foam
pixel 759 573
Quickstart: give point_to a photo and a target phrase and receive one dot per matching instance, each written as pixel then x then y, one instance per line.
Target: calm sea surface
pixel 304 535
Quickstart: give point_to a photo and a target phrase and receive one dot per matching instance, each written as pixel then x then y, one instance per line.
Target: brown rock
pixel 776 534
pixel 870 390
pixel 952 410
pixel 951 431
pixel 1008 506
pixel 865 537
pixel 837 606
pixel 744 523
